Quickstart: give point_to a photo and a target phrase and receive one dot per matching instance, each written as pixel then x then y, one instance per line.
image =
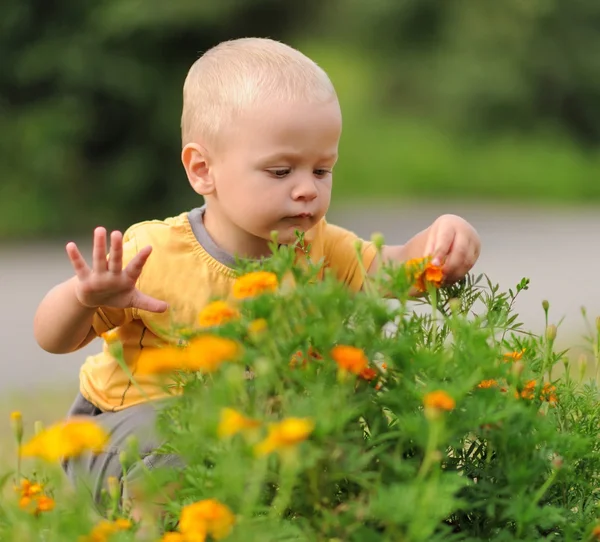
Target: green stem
pixel 430 450
pixel 289 470
pixel 252 493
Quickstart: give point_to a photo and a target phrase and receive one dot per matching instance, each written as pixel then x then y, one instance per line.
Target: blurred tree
pixel 90 100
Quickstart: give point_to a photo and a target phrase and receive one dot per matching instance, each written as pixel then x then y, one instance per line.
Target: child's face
pixel 274 169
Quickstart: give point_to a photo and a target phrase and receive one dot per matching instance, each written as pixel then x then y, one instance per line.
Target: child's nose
pixel 306 190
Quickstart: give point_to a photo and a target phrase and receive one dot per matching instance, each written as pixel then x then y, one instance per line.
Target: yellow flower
pixel 439 400
pixel 65 439
pixel 172 537
pixel 232 422
pixel 103 530
pixel 207 517
pixel 487 384
pixel 256 327
pixel 216 314
pixel 350 359
pixel 253 284
pixel 285 434
pixel 205 353
pixel 423 273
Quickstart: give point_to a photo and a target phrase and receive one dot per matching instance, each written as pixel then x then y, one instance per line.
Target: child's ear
pixel 196 163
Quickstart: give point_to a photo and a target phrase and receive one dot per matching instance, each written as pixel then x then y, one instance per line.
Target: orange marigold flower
pixel 66 439
pixel 217 313
pixel 32 498
pixel 285 434
pixel 528 391
pixel 439 400
pixel 548 394
pixel 253 284
pixel 300 359
pixel 423 273
pixel 111 336
pixel 596 532
pixel 44 504
pixel 368 373
pixel 172 537
pixel 350 359
pixel 29 488
pixel 487 384
pixel 205 353
pixel 514 356
pixel 232 422
pixel 208 517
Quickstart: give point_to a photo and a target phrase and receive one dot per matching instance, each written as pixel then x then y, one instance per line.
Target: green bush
pixel 458 428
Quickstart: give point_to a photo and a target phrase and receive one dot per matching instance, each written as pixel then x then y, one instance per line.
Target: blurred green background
pixel 465 99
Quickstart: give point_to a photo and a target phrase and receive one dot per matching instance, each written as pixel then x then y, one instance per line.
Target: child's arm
pixel 451 241
pixel 63 321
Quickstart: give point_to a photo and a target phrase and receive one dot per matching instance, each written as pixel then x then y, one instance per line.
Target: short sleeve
pixel 107 318
pixel 341 255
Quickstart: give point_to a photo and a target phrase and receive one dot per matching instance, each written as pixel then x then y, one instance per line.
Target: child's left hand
pixel 453 243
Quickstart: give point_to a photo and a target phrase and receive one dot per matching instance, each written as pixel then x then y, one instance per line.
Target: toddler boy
pixel 261 125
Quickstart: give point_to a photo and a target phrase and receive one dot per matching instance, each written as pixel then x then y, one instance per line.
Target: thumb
pixel 146 303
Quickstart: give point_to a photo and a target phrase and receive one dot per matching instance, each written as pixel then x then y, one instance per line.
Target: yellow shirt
pixel 182 273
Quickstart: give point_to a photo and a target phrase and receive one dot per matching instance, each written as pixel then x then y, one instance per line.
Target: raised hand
pixel 107 283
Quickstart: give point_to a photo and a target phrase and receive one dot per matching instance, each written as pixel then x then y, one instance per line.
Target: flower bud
pixel 114 489
pixel 38 427
pixel 455 305
pixel 583 366
pixel 378 240
pixel 545 305
pixel 557 462
pixel 551 332
pixel 16 423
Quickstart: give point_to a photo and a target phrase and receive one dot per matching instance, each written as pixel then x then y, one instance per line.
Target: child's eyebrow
pixel 295 156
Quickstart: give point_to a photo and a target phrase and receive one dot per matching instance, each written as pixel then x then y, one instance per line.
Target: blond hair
pixel 238 73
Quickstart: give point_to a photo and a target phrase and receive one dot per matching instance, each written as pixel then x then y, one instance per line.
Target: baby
pixel 261 125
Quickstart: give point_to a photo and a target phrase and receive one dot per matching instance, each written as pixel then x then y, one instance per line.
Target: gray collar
pixel 196 218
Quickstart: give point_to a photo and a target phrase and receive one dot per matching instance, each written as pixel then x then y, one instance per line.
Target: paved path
pixel 556 249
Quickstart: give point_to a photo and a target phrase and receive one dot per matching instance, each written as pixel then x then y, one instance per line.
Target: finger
pixel 146 303
pixel 444 242
pixel 77 261
pixel 115 260
pixel 430 244
pixel 99 252
pixel 135 266
pixel 459 259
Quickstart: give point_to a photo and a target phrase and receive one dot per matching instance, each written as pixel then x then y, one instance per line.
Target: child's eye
pixel 321 172
pixel 280 173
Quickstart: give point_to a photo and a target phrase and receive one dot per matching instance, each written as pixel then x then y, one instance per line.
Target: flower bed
pixel 309 413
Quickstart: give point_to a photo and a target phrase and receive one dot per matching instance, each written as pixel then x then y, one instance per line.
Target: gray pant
pixel 93 470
